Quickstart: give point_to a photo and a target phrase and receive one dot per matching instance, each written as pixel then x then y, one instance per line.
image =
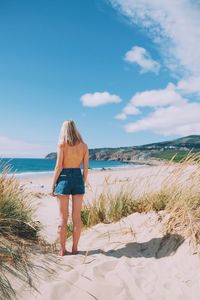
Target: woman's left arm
pixel 58 167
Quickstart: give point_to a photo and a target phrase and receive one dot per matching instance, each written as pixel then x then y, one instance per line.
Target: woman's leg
pixel 76 218
pixel 63 202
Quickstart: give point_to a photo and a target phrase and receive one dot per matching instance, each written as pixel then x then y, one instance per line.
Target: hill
pixel 145 153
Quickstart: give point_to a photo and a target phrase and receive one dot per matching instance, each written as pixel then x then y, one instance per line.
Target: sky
pixel 126 71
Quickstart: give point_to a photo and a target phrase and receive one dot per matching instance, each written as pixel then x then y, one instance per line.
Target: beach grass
pixel 19 235
pixel 178 195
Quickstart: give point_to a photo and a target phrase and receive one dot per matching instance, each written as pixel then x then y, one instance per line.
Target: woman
pixel 68 180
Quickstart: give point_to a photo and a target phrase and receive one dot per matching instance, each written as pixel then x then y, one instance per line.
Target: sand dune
pixel 130 259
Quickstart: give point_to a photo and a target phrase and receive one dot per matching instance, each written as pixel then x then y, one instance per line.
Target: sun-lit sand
pixel 129 259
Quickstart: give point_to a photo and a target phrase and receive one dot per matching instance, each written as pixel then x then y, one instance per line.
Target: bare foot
pixel 59 228
pixel 63 252
pixel 74 250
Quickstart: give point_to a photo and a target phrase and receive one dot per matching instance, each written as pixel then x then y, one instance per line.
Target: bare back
pixel 73 155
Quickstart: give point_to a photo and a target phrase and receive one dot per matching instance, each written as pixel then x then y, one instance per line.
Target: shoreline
pixel 36 173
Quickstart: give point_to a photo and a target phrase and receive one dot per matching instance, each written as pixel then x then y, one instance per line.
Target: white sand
pixel 129 259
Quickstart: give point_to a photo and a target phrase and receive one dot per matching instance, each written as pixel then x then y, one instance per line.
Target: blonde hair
pixel 69 133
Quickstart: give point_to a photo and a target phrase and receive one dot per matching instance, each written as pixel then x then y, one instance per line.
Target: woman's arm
pixel 85 163
pixel 59 165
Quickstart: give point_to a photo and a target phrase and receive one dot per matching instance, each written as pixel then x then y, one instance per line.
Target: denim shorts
pixel 70 182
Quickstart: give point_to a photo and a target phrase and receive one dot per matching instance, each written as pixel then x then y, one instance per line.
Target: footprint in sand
pixel 101 270
pixel 65 286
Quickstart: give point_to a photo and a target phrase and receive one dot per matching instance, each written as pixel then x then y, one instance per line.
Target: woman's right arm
pixel 85 163
pixel 58 166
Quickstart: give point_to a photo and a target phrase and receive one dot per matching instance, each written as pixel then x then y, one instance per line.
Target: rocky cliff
pixel 142 153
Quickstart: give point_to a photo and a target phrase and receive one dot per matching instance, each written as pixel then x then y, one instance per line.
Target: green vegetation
pixel 191 142
pixel 19 235
pixel 179 195
pixel 170 154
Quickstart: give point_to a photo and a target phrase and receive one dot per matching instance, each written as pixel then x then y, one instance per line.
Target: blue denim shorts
pixel 70 182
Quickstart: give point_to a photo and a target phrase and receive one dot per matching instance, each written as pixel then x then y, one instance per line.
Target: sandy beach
pixel 107 181
pixel 129 259
pixel 112 86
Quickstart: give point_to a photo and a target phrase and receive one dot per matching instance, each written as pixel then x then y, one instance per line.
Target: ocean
pixel 32 165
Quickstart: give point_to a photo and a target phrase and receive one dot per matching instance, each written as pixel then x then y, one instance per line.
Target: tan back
pixel 73 155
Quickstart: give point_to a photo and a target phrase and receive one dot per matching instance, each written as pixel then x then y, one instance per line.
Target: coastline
pixel 43 175
pixel 38 173
pixel 22 167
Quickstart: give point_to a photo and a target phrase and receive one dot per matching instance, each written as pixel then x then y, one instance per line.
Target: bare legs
pixel 76 218
pixel 63 202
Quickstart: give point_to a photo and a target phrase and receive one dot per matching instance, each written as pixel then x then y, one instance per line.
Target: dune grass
pixel 19 235
pixel 15 209
pixel 178 195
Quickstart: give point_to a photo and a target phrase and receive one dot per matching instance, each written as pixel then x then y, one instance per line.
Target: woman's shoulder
pixel 85 148
pixel 85 145
pixel 61 145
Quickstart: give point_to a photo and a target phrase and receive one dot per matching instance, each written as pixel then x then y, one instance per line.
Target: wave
pixel 125 166
pixel 30 173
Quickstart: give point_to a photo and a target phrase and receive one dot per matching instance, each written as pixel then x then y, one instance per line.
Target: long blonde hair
pixel 69 133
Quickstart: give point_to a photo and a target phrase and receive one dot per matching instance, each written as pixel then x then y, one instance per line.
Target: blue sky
pixel 125 78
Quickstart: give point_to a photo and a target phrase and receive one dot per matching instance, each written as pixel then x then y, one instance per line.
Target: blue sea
pixel 32 165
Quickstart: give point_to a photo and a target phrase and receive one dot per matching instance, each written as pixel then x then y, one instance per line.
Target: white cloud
pixel 17 148
pixel 190 85
pixel 129 109
pixel 173 120
pixel 174 25
pixel 140 56
pixel 152 98
pixel 156 98
pixel 97 99
pixel 120 116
